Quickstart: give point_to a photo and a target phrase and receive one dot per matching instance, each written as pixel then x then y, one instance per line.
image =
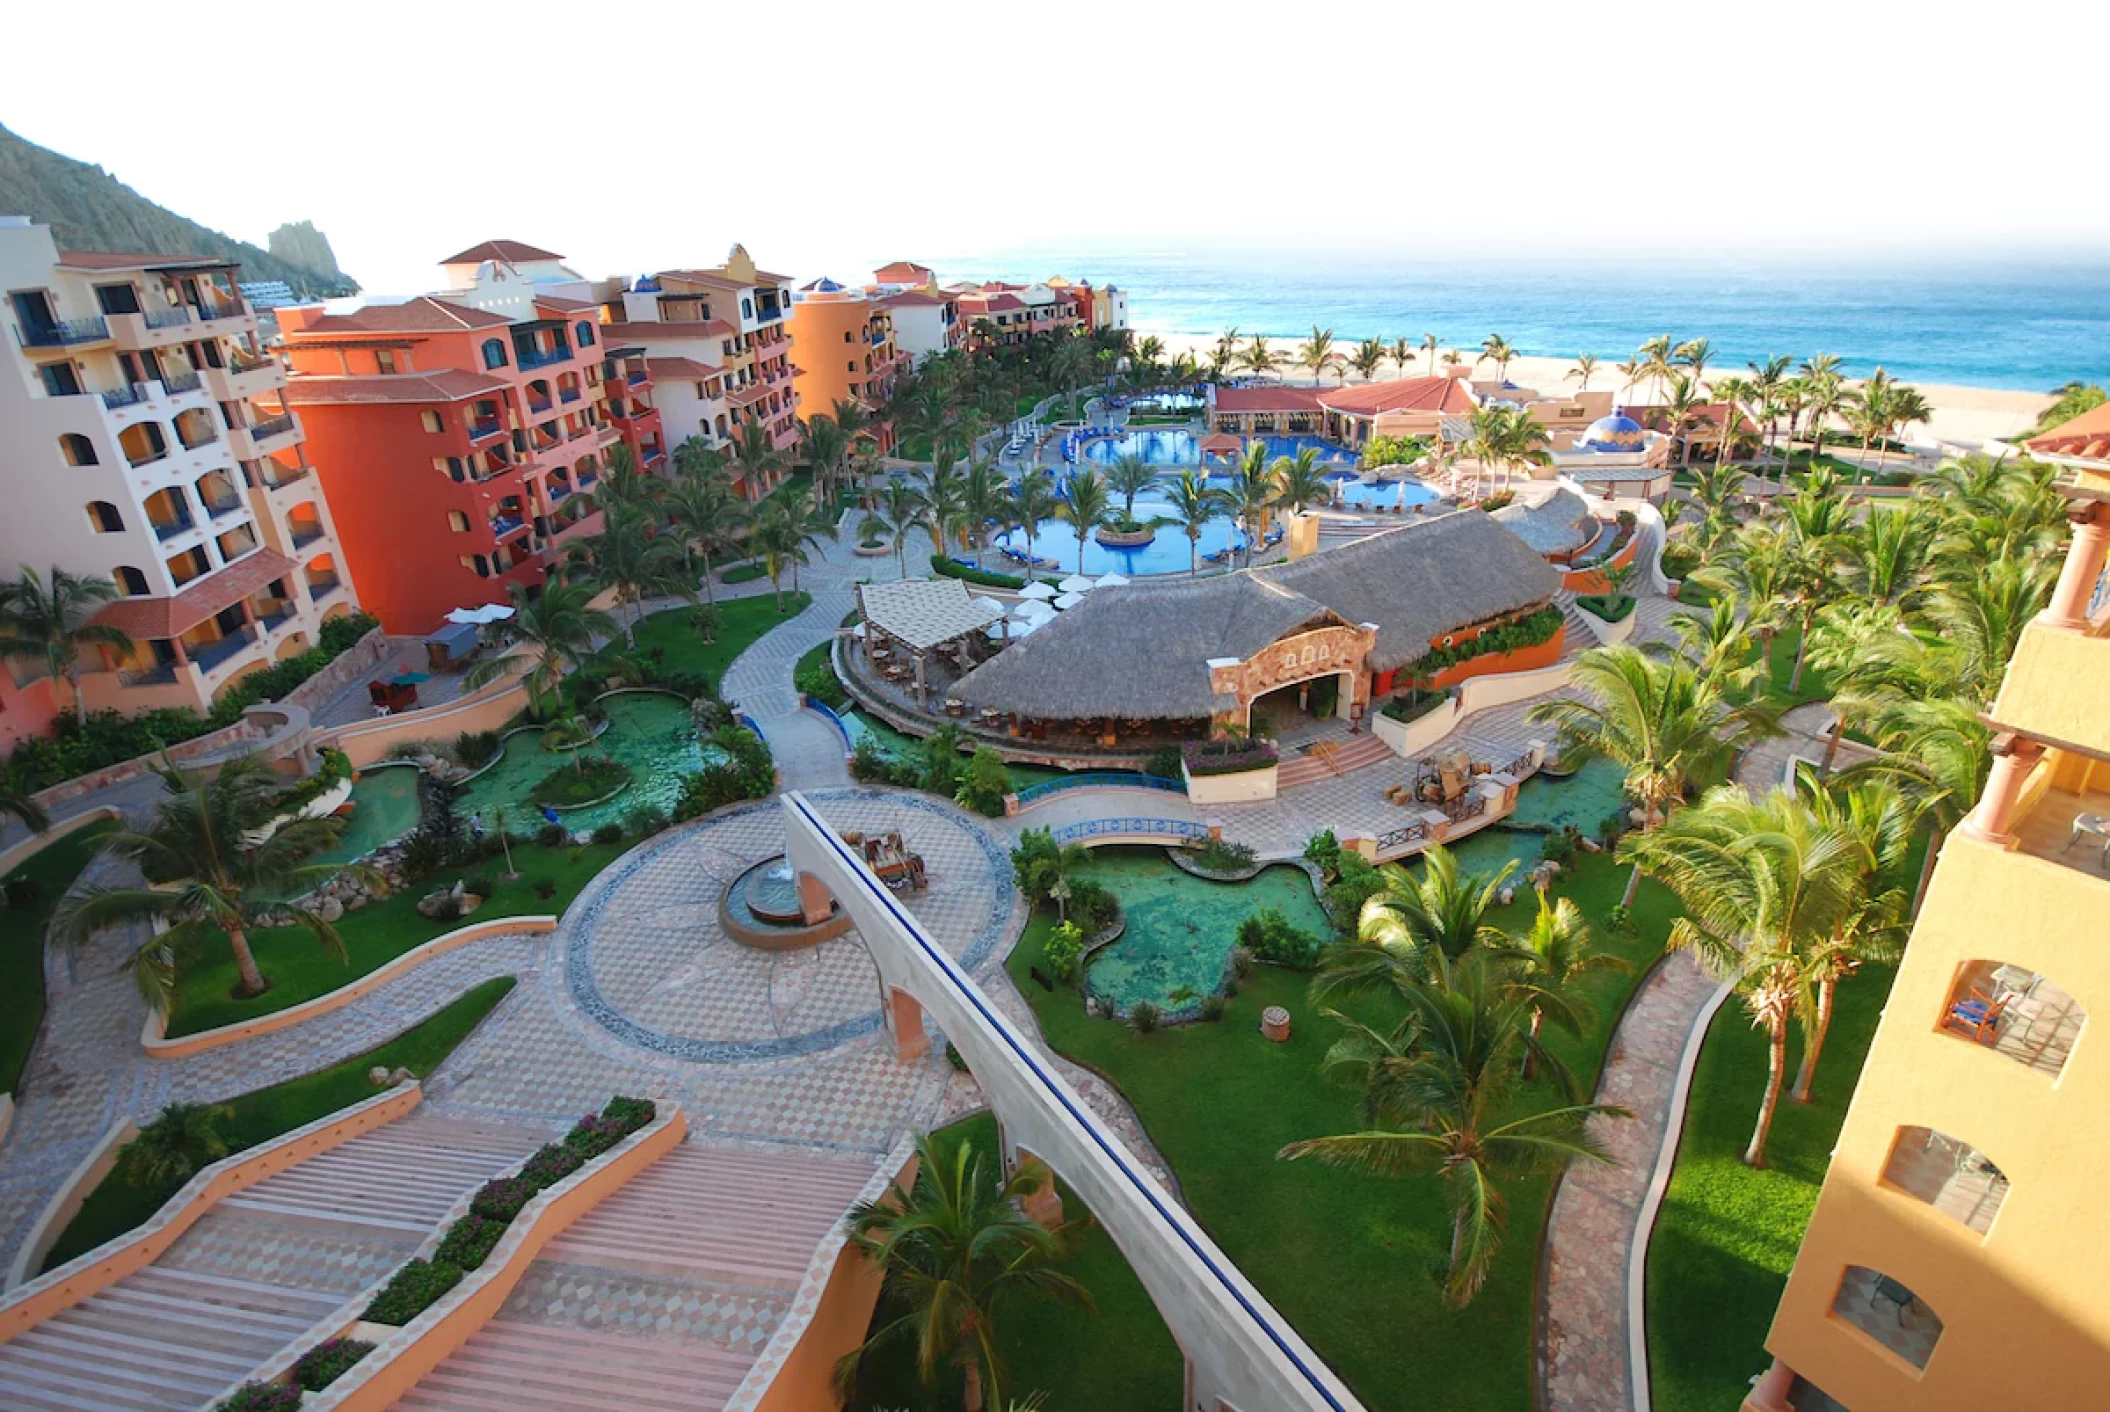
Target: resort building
pixel 1700 439
pixel 1006 315
pixel 1098 307
pixel 143 439
pixel 460 432
pixel 842 341
pixel 1616 458
pixel 1425 407
pixel 1955 1257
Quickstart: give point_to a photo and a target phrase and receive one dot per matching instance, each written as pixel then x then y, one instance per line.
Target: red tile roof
pixel 1221 443
pixel 445 385
pixel 914 299
pixel 749 395
pixel 684 328
pixel 685 368
pixel 1276 398
pixel 1003 303
pixel 2085 438
pixel 424 314
pixel 1400 395
pixel 146 619
pixel 513 252
pixel 902 272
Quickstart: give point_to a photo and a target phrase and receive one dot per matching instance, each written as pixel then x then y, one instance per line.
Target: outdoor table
pixel 2095 826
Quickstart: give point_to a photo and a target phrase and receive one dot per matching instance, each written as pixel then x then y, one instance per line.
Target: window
pixel 142 442
pixel 850 366
pixel 130 581
pixel 585 332
pixel 103 518
pixel 385 360
pixel 847 338
pixel 494 353
pixel 2019 1015
pixel 747 307
pixel 430 420
pixel 78 450
pixel 1888 1312
pixel 458 522
pixel 60 380
pixel 1948 1174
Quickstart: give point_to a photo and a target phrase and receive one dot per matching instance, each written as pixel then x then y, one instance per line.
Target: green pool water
pixel 651 733
pixel 1181 928
pixel 384 808
pixel 1582 800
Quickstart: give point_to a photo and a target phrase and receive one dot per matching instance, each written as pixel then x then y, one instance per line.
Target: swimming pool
pixel 1174 447
pixel 384 808
pixel 1165 554
pixel 1364 495
pixel 649 731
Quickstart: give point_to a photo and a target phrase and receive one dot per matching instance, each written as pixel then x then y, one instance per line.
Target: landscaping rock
pixel 329 909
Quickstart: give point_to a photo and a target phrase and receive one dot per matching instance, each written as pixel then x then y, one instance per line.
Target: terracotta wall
pixel 1524 659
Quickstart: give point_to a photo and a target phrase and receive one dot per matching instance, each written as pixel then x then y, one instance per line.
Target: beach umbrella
pixel 1036 590
pixel 1076 583
pixel 1112 580
pixel 483 613
pixel 987 604
pixel 1069 601
pixel 1027 628
pixel 1032 613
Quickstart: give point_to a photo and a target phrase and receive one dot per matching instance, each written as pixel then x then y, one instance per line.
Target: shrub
pixel 1241 962
pixel 553 836
pixel 412 749
pixel 946 566
pixel 482 884
pixel 1394 451
pixel 501 1198
pixel 545 889
pixel 1619 919
pixel 1092 907
pixel 470 1241
pixel 551 1163
pixel 1412 704
pixel 747 772
pixel 1513 636
pixel 1612 607
pixel 1559 846
pixel 1163 762
pixel 610 832
pixel 1323 852
pixel 1269 936
pixel 413 1290
pixel 1359 881
pixel 955 1058
pixel 327 1361
pixel 869 763
pixel 1212 1008
pixel 1145 1017
pixel 1230 756
pixel 340 633
pixel 984 783
pixel 817 680
pixel 1063 949
pixel 1220 855
pixel 595 1133
pixel 580 781
pixel 645 820
pixel 635 1113
pixel 260 1397
pixel 476 748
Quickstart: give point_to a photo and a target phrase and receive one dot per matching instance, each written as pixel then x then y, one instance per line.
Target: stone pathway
pixel 1595 1238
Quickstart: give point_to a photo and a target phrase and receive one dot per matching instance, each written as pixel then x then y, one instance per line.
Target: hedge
pixel 1612 608
pixel 1512 636
pixel 945 566
pixel 1412 704
pixel 1228 757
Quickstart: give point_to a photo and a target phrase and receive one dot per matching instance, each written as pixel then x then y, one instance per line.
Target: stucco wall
pixel 1242 788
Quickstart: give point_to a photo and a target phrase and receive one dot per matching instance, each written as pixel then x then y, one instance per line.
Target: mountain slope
pixel 88 209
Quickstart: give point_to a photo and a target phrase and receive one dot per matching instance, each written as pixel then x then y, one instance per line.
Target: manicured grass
pixel 743 573
pixel 740 622
pixel 1727 1235
pixel 1355 1262
pixel 115 1206
pixel 22 945
pixel 299 969
pixel 1122 1353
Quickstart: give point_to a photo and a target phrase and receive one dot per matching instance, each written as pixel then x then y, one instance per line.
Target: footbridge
pixel 1242 1356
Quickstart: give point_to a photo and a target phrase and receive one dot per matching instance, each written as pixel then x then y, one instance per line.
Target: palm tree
pixel 783 529
pixel 51 622
pixel 706 515
pixel 182 1138
pixel 1318 354
pixel 1754 566
pixel 1585 368
pixel 944 501
pixel 982 494
pixel 558 627
pixel 1403 354
pixel 1886 555
pixel 623 482
pixel 1368 357
pixel 1767 382
pixel 813 523
pixel 1252 492
pixel 1681 413
pixel 1031 503
pixel 1716 491
pixel 1442 910
pixel 755 457
pixel 900 509
pixel 22 805
pixel 627 559
pixel 1128 477
pixel 1298 479
pixel 1555 954
pixel 1194 504
pixel 1938 751
pixel 1812 539
pixel 1630 374
pixel 1071 364
pixel 217 858
pixel 956 1249
pixel 1659 719
pixel 2069 400
pixel 1733 392
pixel 1717 642
pixel 1257 356
pixel 1824 395
pixel 1224 353
pixel 1504 437
pixel 1086 507
pixel 1654 359
pixel 1694 353
pixel 827 451
pixel 1495 349
pixel 1764 885
pixel 1434 1093
pixel 1428 346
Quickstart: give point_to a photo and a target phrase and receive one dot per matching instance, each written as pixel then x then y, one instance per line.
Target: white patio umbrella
pixel 1028 627
pixel 485 613
pixel 987 605
pixel 1036 590
pixel 1112 580
pixel 1069 601
pixel 1032 613
pixel 1077 583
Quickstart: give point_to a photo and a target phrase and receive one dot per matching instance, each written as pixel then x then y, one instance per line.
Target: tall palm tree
pixel 1435 1093
pixel 1585 368
pixel 1659 720
pixel 1630 374
pixel 1429 346
pixel 1031 503
pixel 1253 492
pixel 944 501
pixel 1224 353
pixel 1654 359
pixel 1695 353
pixel 1937 750
pixel 1812 539
pixel 1886 554
pixel 956 1250
pixel 1087 506
pixel 1555 955
pixel 1071 364
pixel 1368 357
pixel 900 509
pixel 1496 349
pixel 1404 354
pixel 1764 885
pixel 1738 397
pixel 1318 353
pixel 982 493
pixel 706 516
pixel 627 559
pixel 696 459
pixel 1194 504
pixel 1767 381
pixel 1681 414
pixel 1824 394
pixel 1504 437
pixel 1401 928
pixel 49 621
pixel 755 457
pixel 1128 477
pixel 1257 357
pixel 217 858
pixel 1298 480
pixel 1718 644
pixel 784 527
pixel 558 627
pixel 827 451
pixel 1753 564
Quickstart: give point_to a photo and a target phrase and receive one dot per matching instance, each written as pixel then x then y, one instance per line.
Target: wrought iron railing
pixel 304 535
pixel 1098 779
pixel 166 318
pixel 173 528
pixel 128 396
pixel 270 427
pixel 1521 766
pixel 542 357
pixel 155 675
pixel 209 309
pixel 182 382
pixel 1131 827
pixel 479 430
pixel 1465 807
pixel 1416 832
pixel 62 333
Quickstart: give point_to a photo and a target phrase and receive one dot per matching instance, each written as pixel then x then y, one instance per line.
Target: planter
pixel 878 552
pixel 1236 787
pixel 1606 632
pixel 1409 739
pixel 1124 539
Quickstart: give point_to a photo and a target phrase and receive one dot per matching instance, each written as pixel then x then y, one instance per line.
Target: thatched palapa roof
pixel 1558 523
pixel 925 612
pixel 1142 651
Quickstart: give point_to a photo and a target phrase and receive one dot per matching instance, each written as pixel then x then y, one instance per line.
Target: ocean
pixel 2024 327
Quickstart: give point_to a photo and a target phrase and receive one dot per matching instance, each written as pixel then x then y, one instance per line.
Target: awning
pixel 459 639
pixel 151 619
pixel 924 612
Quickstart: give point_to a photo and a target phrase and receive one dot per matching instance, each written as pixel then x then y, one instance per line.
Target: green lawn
pixel 740 622
pixel 743 573
pixel 299 969
pixel 115 1206
pixel 1727 1235
pixel 1355 1262
pixel 1131 1357
pixel 22 945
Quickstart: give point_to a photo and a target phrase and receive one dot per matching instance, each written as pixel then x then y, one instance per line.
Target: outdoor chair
pixel 1891 1292
pixel 1977 1018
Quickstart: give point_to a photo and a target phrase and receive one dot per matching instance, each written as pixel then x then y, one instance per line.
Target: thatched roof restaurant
pixel 1187 648
pixel 1556 524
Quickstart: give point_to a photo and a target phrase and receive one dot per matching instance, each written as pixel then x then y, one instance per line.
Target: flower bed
pixel 1228 757
pixel 1531 630
pixel 591 779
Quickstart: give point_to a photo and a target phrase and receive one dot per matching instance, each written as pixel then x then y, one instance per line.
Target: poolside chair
pixel 1977 1018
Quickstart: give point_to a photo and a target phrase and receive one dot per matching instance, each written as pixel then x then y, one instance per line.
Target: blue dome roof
pixel 1613 433
pixel 824 285
pixel 647 285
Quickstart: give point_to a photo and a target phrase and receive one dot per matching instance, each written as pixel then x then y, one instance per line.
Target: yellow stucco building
pixel 1958 1256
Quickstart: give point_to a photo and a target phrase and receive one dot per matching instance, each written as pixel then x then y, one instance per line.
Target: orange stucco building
pixel 842 339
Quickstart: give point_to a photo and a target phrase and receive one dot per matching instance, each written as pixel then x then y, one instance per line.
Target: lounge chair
pixel 1977 1018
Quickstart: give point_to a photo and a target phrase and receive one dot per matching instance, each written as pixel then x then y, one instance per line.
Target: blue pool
pixel 1166 554
pixel 1178 448
pixel 1360 495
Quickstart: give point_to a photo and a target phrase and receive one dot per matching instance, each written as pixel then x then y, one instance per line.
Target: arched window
pixel 458 522
pixel 103 518
pixel 430 420
pixel 78 450
pixel 142 443
pixel 2019 1015
pixel 195 428
pixel 130 581
pixel 494 353
pixel 585 332
pixel 1889 1312
pixel 1948 1174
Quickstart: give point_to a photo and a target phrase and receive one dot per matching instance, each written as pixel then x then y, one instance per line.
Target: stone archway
pixel 1338 649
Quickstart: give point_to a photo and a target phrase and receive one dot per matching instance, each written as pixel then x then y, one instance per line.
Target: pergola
pixel 919 615
pixel 1220 446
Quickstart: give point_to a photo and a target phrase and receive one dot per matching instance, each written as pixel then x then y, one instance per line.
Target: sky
pixel 830 137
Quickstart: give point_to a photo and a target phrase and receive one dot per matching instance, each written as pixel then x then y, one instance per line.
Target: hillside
pixel 88 209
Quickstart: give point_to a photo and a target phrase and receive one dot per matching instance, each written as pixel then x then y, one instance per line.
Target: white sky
pixel 829 136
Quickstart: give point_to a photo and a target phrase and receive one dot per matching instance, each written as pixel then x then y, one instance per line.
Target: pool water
pixel 1163 446
pixel 1363 495
pixel 1579 801
pixel 650 732
pixel 1181 928
pixel 1165 554
pixel 893 743
pixel 384 808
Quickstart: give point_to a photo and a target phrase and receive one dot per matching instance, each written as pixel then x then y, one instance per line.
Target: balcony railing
pixel 209 309
pixel 306 534
pixel 270 427
pixel 503 525
pixel 479 431
pixel 212 654
pixel 159 674
pixel 635 378
pixel 227 505
pixel 272 618
pixel 182 382
pixel 165 318
pixel 319 589
pixel 129 396
pixel 569 394
pixel 173 528
pixel 541 357
pixel 64 333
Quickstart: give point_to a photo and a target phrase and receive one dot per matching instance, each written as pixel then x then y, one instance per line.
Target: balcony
pixel 568 395
pixel 221 507
pixel 215 654
pixel 541 357
pixel 484 431
pixel 638 378
pixel 304 533
pixel 160 674
pixel 152 328
pixel 260 439
pixel 172 528
pixel 176 383
pixel 210 310
pixel 321 588
pixel 538 405
pixel 504 526
pixel 233 384
pixel 64 333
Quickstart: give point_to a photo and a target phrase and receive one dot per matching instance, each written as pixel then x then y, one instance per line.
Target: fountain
pixel 761 909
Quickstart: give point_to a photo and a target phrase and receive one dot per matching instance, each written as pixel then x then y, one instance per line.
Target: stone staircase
pixel 660 1298
pixel 255 1272
pixel 1349 754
